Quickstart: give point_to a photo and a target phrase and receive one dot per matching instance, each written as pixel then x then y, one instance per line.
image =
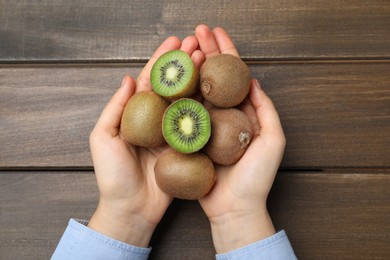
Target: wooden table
pixel 325 64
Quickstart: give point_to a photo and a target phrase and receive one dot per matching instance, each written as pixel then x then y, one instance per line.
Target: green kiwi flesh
pixel 174 75
pixel 224 80
pixel 184 176
pixel 142 118
pixel 231 135
pixel 186 125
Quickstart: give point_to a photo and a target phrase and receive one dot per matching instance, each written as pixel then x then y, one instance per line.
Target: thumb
pixel 267 116
pixel 110 118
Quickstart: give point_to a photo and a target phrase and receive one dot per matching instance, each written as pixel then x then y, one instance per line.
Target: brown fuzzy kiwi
pixel 231 135
pixel 142 119
pixel 225 80
pixel 184 176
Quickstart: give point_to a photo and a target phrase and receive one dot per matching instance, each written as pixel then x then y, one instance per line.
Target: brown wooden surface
pixel 343 215
pixel 325 64
pixel 57 107
pixel 131 30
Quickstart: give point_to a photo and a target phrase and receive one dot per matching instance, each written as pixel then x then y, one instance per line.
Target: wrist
pixel 118 224
pixel 234 230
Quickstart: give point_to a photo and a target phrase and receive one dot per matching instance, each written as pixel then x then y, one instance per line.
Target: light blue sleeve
pixel 81 242
pixel 275 247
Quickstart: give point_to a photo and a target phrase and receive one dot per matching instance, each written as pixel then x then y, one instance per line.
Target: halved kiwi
pixel 174 75
pixel 186 125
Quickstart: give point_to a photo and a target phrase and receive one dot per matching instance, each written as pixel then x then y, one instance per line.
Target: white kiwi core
pixel 186 125
pixel 171 73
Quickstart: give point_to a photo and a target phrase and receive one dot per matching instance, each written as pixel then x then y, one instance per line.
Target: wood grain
pixel 36 31
pixel 334 115
pixel 47 114
pixel 345 215
pixel 325 65
pixel 326 216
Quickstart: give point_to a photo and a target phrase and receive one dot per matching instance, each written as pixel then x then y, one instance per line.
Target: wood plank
pixel 334 115
pixel 327 215
pixel 60 30
pixel 48 113
pixel 334 215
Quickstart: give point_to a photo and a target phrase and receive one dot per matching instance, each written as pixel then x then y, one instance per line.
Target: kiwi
pixel 224 80
pixel 186 125
pixel 174 75
pixel 231 135
pixel 142 118
pixel 184 176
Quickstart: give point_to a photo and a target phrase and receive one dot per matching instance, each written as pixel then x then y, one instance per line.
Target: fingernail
pixel 257 84
pixel 123 81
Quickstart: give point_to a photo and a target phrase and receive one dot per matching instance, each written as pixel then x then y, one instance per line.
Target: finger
pixel 189 44
pixel 143 80
pixel 110 118
pixel 207 42
pixel 225 44
pixel 198 58
pixel 250 111
pixel 271 138
pixel 270 125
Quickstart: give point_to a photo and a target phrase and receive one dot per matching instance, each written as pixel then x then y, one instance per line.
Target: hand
pixel 236 206
pixel 130 204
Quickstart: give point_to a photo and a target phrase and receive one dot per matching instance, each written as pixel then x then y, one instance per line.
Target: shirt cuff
pixel 81 242
pixel 274 247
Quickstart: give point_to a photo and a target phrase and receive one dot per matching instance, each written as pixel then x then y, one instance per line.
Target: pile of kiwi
pixel 198 137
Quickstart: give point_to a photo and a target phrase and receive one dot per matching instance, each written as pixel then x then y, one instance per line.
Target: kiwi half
pixel 142 118
pixel 231 135
pixel 174 75
pixel 224 80
pixel 184 176
pixel 186 125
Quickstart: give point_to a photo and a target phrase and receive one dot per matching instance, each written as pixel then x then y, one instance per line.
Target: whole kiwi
pixel 142 119
pixel 231 134
pixel 184 176
pixel 224 80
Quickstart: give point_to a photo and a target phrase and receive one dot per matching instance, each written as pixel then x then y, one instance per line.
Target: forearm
pixel 235 230
pixel 123 226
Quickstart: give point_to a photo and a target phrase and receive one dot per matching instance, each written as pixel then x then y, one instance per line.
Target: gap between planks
pixel 283 171
pixel 141 63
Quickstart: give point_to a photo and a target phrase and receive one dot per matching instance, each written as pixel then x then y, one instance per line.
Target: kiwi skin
pixel 231 135
pixel 142 118
pixel 184 176
pixel 224 80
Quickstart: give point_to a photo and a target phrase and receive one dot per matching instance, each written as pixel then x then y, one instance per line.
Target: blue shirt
pixel 81 242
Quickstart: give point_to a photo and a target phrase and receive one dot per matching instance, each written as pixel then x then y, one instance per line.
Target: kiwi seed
pixel 174 75
pixel 184 176
pixel 231 135
pixel 186 125
pixel 142 119
pixel 224 80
